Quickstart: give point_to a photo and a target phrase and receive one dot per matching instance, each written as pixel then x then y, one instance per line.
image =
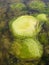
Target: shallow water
pixel 7 13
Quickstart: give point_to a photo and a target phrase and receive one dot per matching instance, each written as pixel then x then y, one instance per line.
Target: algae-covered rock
pixel 27 49
pixel 25 26
pixel 42 17
pixel 37 5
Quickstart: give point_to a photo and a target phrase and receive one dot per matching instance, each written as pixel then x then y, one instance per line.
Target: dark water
pixel 6 15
